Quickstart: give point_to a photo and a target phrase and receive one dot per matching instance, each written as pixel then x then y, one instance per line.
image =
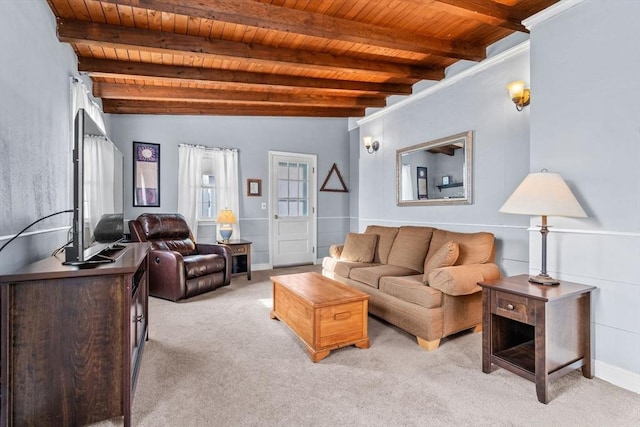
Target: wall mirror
pixel 437 172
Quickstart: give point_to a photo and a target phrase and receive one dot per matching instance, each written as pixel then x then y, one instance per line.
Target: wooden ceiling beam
pixel 122 69
pixel 168 93
pixel 118 37
pixel 487 12
pixel 262 15
pixel 118 106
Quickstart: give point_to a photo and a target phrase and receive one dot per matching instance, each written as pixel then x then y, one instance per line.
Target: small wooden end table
pixel 538 332
pixel 323 313
pixel 240 257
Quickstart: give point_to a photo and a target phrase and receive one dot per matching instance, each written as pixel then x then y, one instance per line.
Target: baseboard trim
pixel 618 376
pixel 258 267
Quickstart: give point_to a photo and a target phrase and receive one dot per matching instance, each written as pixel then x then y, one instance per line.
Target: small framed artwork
pixel 254 187
pixel 422 182
pixel 445 180
pixel 146 174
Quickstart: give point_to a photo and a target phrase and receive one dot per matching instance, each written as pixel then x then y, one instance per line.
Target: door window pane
pixel 293 187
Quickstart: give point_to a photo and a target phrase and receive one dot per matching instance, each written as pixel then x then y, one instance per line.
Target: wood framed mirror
pixel 437 172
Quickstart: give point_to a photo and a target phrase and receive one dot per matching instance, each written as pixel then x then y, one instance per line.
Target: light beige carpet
pixel 219 360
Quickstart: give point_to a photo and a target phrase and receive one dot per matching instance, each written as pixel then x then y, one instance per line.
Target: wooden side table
pixel 538 332
pixel 240 257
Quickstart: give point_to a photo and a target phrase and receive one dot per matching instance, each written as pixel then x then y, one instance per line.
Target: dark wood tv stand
pixel 72 340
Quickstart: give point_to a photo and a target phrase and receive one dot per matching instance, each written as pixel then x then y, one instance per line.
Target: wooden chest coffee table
pixel 323 313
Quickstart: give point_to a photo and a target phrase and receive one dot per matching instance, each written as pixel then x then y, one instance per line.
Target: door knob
pixel 275 217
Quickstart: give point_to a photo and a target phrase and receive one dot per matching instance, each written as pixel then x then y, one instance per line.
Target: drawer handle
pixel 139 318
pixel 510 307
pixel 342 316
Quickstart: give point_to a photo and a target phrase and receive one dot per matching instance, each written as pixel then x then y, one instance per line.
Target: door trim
pixel 313 159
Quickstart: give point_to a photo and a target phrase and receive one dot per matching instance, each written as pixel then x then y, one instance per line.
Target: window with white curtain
pixel 207 183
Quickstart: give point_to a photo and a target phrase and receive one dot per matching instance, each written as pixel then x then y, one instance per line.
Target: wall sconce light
pixel 519 95
pixel 369 145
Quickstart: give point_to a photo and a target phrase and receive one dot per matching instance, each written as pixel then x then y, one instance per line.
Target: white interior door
pixel 292 208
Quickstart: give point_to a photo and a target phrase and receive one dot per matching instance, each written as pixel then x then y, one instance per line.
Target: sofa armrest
pixel 335 251
pixel 462 279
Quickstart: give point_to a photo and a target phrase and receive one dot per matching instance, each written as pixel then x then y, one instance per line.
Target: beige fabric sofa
pixel 420 279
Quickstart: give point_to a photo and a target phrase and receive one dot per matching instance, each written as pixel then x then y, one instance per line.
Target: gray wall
pixel 479 103
pixel 35 132
pixel 254 137
pixel 585 125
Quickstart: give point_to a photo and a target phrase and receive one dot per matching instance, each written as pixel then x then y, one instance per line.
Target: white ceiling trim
pixel 549 12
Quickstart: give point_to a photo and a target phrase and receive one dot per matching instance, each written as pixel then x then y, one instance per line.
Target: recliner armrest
pixel 462 279
pixel 166 271
pixel 224 250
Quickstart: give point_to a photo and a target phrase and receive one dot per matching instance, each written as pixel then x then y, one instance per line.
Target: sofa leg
pixel 477 328
pixel 428 345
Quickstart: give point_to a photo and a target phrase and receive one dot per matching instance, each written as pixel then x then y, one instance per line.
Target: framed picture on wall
pixel 421 173
pixel 146 174
pixel 254 187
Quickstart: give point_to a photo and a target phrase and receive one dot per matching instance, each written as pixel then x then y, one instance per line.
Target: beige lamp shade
pixel 225 216
pixel 543 193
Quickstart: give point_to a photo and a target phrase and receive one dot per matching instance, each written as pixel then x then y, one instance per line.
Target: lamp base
pixel 226 234
pixel 545 280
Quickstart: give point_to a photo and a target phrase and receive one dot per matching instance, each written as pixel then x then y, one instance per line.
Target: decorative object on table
pixel 146 174
pixel 254 187
pixel 332 171
pixel 225 219
pixel 421 174
pixel 370 145
pixel 546 194
pixel 445 180
pixel 519 95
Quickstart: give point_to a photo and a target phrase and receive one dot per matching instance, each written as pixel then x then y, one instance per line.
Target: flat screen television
pixel 98 195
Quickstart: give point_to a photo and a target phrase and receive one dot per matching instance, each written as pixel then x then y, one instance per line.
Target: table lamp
pixel 545 194
pixel 225 219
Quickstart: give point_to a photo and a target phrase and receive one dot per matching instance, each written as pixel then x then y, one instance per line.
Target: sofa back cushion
pixel 359 247
pixel 474 248
pixel 386 236
pixel 410 247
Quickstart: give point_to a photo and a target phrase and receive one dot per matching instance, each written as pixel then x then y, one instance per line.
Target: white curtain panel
pixel 99 165
pixel 225 163
pixel 80 99
pixel 407 183
pixel 190 159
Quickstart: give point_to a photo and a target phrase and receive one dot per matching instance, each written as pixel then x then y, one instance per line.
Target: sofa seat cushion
pixel 410 247
pixel 359 247
pixel 475 248
pixel 342 268
pixel 202 265
pixel 371 275
pixel 446 256
pixel 386 236
pixel 411 289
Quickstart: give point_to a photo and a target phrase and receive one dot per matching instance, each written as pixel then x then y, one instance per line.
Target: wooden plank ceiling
pixel 316 58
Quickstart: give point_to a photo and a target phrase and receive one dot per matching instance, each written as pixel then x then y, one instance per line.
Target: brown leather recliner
pixel 179 268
